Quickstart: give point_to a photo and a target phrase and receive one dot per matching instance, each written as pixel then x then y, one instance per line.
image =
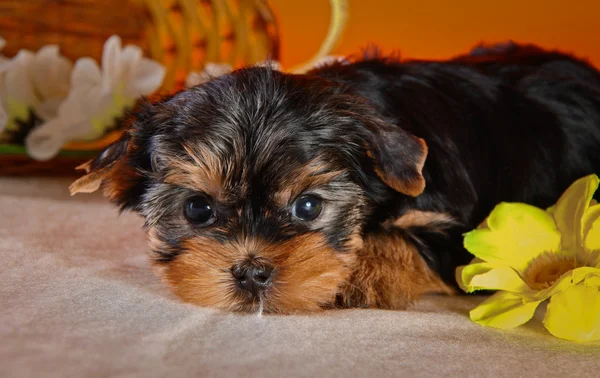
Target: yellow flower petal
pixel 484 276
pixel 593 279
pixel 591 232
pixel 503 310
pixel 517 233
pixel 574 314
pixel 570 209
pixel 591 220
pixel 585 273
pixel 550 210
pixel 573 277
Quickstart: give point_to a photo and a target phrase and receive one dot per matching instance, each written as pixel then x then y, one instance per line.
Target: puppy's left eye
pixel 307 208
pixel 198 210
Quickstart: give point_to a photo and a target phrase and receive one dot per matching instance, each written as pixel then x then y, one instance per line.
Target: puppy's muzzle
pixel 253 276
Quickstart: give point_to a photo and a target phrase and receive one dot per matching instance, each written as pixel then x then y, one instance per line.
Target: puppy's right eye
pixel 198 210
pixel 308 207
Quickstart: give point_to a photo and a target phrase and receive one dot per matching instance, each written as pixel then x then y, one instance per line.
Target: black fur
pixel 511 124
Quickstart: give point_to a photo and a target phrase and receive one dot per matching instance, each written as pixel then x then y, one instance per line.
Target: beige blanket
pixel 77 299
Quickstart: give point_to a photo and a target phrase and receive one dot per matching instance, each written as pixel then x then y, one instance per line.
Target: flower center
pixel 545 269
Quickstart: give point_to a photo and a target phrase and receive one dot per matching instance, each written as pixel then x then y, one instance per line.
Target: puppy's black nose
pixel 253 279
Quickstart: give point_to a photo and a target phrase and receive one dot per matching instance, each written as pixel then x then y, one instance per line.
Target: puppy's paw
pixel 389 273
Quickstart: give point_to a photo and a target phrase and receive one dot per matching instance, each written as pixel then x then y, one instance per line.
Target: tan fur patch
pixel 313 175
pixel 91 181
pixel 421 218
pixel 205 173
pixel 308 274
pixel 114 179
pixel 355 241
pixel 389 273
pixel 413 186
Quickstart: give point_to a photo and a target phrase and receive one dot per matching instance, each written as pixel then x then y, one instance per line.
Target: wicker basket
pixel 181 34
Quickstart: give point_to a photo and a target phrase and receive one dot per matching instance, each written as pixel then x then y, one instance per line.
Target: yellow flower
pixel 530 255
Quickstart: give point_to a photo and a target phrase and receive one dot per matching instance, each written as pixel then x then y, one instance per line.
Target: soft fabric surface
pixel 78 299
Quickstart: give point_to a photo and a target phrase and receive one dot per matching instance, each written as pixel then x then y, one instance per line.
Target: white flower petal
pixel 45 141
pixel 86 74
pixel 147 78
pixel 193 79
pixel 273 64
pixel 217 69
pixel 129 60
pixel 82 104
pixel 4 61
pixel 79 110
pixel 80 131
pixel 4 64
pixel 51 72
pixel 96 103
pixel 73 123
pixel 86 100
pixel 111 57
pixel 3 116
pixel 211 71
pixel 48 108
pixel 18 84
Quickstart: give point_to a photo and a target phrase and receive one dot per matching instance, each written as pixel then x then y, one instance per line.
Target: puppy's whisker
pixel 260 306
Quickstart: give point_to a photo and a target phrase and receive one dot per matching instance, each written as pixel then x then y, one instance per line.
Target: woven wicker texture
pixel 181 34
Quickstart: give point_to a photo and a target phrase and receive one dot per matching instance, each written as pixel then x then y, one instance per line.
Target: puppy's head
pixel 255 186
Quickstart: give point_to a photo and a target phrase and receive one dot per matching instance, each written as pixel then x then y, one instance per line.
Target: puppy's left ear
pixel 101 168
pixel 399 158
pixel 113 171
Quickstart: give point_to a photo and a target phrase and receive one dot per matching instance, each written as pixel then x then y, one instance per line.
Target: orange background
pixel 430 29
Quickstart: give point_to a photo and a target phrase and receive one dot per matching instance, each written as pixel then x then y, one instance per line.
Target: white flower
pixel 97 97
pixel 3 60
pixel 3 65
pixel 211 71
pixel 51 75
pixel 33 81
pixel 17 92
pixel 273 64
pixel 3 117
pixel 214 70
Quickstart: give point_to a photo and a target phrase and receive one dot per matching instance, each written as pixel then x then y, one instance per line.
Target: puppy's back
pixel 508 123
pixel 513 62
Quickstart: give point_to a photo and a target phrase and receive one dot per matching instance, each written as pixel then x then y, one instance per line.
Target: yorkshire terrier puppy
pixel 350 185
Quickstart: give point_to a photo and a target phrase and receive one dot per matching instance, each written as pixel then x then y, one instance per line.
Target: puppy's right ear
pixel 399 158
pixel 113 171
